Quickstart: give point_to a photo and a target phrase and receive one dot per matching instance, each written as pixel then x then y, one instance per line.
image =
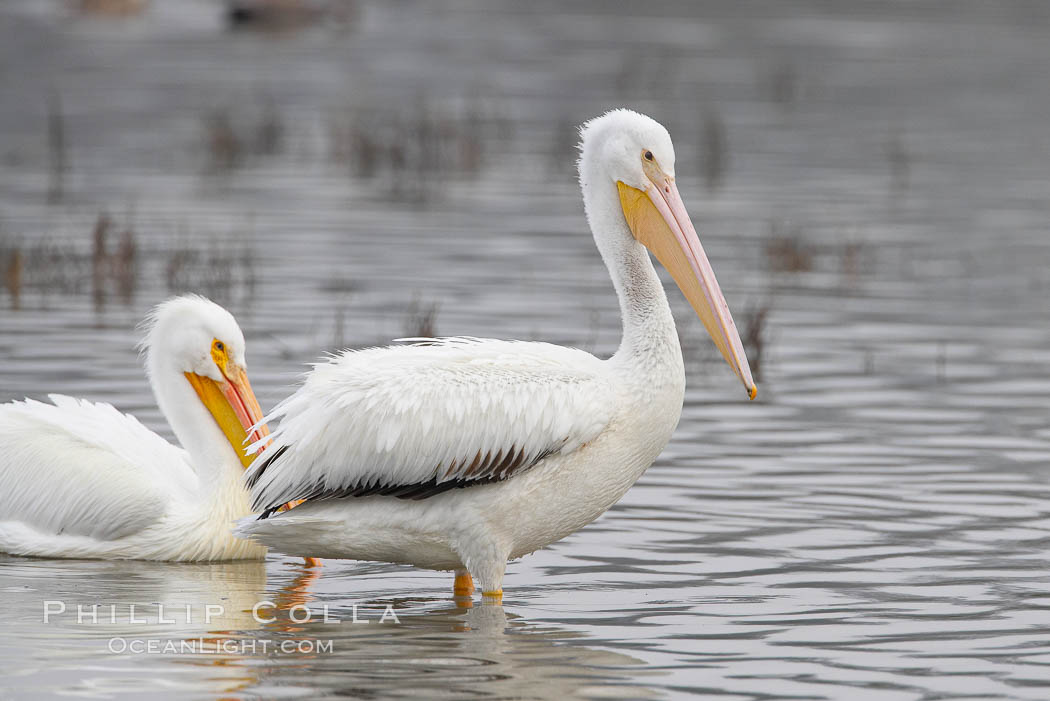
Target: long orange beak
pixel 234 406
pixel 658 219
pixel 237 412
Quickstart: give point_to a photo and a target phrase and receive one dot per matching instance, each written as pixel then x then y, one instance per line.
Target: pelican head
pixel 632 155
pixel 195 338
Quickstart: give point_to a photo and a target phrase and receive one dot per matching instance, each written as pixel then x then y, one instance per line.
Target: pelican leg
pixel 490 580
pixel 486 561
pixel 492 597
pixel 308 561
pixel 464 584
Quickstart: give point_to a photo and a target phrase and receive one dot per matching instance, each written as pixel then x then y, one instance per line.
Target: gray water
pixel 871 178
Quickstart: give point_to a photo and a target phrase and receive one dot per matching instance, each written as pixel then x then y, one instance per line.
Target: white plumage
pixel 83 480
pixel 68 443
pixel 462 453
pixel 439 411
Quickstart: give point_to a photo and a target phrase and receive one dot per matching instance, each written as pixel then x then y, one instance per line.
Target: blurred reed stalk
pixel 69 268
pixel 124 269
pixel 339 332
pixel 118 267
pixel 269 134
pixel 224 148
pixel 787 251
pixel 99 260
pixel 900 164
pixel 854 260
pixel 715 149
pixel 755 337
pixel 229 141
pixel 275 15
pixel 13 276
pixel 414 152
pixel 563 153
pixel 784 86
pixel 56 149
pixel 112 8
pixel 220 272
pixel 421 321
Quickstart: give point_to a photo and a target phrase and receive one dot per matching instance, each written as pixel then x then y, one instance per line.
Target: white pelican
pixel 459 454
pixel 82 480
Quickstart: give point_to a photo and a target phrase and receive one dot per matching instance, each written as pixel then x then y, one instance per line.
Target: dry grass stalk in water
pixel 274 15
pixel 854 261
pixel 412 151
pixel 422 319
pixel 56 149
pixel 788 252
pixel 716 150
pixel 269 134
pixel 900 164
pixel 99 259
pixel 783 86
pixel 118 267
pixel 224 148
pixel 13 277
pixel 123 268
pixel 112 8
pixel 754 337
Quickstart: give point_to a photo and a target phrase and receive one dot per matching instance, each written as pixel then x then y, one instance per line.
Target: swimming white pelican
pixel 460 454
pixel 82 480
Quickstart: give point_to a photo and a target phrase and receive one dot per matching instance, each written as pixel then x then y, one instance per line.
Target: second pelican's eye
pixel 219 346
pixel 648 155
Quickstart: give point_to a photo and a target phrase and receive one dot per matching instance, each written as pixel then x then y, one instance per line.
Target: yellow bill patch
pixel 211 395
pixel 651 230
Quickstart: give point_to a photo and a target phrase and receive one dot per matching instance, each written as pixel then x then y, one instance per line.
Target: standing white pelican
pixel 82 480
pixel 460 454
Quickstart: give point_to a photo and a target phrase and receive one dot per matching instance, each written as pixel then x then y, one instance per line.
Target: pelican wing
pixel 80 468
pixel 415 420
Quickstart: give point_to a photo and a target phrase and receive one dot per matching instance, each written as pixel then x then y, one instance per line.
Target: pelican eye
pixel 648 155
pixel 219 346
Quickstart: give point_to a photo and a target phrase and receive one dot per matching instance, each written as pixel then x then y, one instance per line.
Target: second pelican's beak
pixel 234 406
pixel 658 220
